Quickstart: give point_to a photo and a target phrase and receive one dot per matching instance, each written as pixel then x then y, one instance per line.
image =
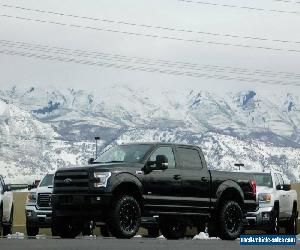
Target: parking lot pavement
pixel 89 243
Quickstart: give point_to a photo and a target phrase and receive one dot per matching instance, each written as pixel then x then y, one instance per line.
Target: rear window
pixel 263 180
pixel 190 158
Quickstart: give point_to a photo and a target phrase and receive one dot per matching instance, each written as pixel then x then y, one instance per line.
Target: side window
pixel 190 158
pixel 168 152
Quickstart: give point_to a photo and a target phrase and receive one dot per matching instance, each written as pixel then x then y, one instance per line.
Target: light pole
pixel 239 165
pixel 96 139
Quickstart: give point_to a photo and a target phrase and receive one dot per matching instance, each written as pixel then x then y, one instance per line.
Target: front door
pixel 163 188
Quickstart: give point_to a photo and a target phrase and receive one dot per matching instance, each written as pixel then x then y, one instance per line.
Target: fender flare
pixel 227 186
pixel 123 178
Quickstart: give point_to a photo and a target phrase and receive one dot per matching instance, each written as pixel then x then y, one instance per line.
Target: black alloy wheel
pixel 230 220
pixel 125 217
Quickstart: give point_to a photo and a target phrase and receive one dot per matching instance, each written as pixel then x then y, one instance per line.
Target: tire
pixel 292 224
pixel 172 228
pixel 7 229
pixel 1 220
pixel 153 232
pixel 87 229
pixel 124 219
pixel 32 231
pixel 65 227
pixel 230 221
pixel 274 223
pixel 104 231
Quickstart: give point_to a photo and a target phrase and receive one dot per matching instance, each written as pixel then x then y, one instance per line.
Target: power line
pixel 142 60
pixel 150 35
pixel 240 7
pixel 149 26
pixel 144 69
pixel 286 1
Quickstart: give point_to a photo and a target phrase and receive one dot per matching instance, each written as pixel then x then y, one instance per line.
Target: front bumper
pixel 261 219
pixel 38 218
pixel 93 206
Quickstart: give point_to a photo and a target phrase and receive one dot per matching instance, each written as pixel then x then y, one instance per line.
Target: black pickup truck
pixel 170 181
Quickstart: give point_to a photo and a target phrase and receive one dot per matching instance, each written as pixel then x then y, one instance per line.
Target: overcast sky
pixel 267 24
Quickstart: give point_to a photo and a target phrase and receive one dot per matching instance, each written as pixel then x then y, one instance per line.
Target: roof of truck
pixel 158 143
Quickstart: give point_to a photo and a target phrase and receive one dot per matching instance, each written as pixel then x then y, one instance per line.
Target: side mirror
pixel 30 186
pixel 91 161
pixel 279 187
pixel 161 162
pixel 286 187
pixel 7 188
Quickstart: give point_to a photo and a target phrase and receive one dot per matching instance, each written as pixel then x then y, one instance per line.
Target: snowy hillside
pixel 42 129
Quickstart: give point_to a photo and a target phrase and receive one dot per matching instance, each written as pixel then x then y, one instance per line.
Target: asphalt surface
pixel 132 244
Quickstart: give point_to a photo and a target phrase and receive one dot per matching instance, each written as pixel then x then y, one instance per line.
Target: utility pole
pixel 96 139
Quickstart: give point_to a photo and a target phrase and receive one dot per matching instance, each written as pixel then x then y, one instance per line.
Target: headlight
pixel 31 197
pixel 102 178
pixel 264 197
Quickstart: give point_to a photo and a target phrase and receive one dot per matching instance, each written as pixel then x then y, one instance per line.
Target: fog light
pixel 98 198
pixel 265 216
pixel 29 213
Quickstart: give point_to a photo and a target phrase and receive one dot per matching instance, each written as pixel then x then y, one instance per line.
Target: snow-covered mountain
pixel 42 129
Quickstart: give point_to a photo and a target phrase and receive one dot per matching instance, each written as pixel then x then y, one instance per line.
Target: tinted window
pixel 168 152
pixel 264 180
pixel 190 158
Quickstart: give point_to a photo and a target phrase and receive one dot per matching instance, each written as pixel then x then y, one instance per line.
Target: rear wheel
pixel 153 232
pixel 125 217
pixel 65 227
pixel 32 231
pixel 104 231
pixel 230 221
pixel 172 228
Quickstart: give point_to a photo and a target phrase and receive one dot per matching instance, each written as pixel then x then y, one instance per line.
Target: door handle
pixel 177 177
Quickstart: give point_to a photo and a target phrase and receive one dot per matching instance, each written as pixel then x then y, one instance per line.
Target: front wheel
pixel 65 227
pixel 274 223
pixel 230 221
pixel 292 224
pixel 32 231
pixel 172 228
pixel 125 217
pixel 7 229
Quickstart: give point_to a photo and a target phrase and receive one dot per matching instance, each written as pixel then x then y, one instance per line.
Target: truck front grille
pixel 44 200
pixel 71 181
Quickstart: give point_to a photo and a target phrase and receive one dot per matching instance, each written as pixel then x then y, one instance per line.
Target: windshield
pixel 263 180
pixel 124 153
pixel 47 181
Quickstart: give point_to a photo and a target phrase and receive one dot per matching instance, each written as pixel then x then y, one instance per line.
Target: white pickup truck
pixel 6 208
pixel 38 206
pixel 277 204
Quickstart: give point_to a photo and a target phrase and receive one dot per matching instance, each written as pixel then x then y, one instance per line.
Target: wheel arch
pixel 229 190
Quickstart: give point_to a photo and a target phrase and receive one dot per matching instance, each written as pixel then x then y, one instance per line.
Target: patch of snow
pixel 137 236
pixel 204 236
pixel 161 237
pixel 17 235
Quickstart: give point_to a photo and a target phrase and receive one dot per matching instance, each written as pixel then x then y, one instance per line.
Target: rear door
pixel 163 187
pixel 195 180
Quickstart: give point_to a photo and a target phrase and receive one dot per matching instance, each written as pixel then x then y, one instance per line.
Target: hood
pixel 44 189
pixel 262 189
pixel 114 166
